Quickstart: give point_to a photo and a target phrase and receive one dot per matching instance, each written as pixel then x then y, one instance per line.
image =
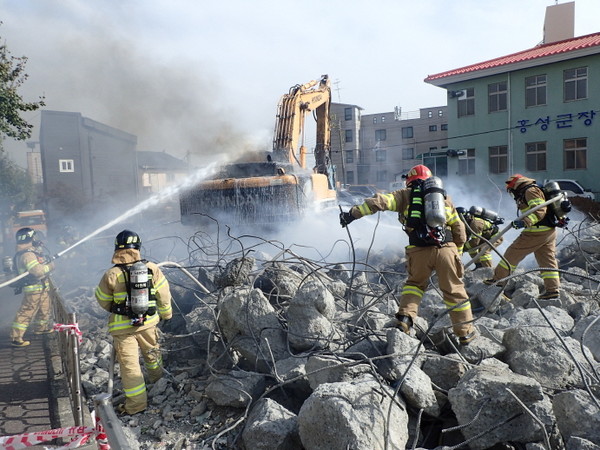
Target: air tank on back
pixel 435 206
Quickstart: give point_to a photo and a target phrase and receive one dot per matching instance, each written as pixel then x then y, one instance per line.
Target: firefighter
pixel 35 287
pixel 137 295
pixel 432 246
pixel 481 225
pixel 538 236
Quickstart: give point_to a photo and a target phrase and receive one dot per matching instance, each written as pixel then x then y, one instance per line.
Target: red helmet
pixel 419 172
pixel 512 181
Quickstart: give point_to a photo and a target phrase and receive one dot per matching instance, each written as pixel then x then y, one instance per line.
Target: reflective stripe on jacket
pixel 113 289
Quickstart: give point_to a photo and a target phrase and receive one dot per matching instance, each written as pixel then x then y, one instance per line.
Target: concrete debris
pixel 297 354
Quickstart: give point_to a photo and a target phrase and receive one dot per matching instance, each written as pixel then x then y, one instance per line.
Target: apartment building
pixel 376 149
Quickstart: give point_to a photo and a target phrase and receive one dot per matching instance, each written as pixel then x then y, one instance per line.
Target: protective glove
pixel 516 224
pixel 499 221
pixel 346 218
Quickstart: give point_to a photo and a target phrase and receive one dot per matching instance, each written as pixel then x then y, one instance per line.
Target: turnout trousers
pixel 445 260
pixel 127 349
pixel 35 308
pixel 543 246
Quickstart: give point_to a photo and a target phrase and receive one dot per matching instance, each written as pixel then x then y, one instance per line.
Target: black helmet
pixel 462 211
pixel 127 239
pixel 25 235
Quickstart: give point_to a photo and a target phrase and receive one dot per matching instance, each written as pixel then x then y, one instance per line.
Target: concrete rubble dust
pixel 294 348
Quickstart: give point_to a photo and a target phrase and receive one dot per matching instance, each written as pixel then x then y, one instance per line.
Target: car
pixel 572 188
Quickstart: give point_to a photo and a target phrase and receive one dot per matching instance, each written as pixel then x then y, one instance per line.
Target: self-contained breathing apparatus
pixel 138 280
pixel 559 208
pixel 426 222
pixel 26 280
pixel 488 215
pixel 556 213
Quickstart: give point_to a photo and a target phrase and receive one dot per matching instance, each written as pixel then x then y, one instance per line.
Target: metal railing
pixel 68 344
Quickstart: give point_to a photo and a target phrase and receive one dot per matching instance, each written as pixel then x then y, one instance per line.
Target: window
pixel 347 113
pixel 535 90
pixel 535 154
pixel 407 132
pixel 350 177
pixel 349 135
pixel 380 155
pixel 444 127
pixel 498 159
pixel 432 149
pixel 438 164
pixel 65 165
pixel 349 156
pixel 432 127
pixel 575 84
pixel 466 104
pixel 380 135
pixel 382 119
pixel 408 153
pixel 440 112
pixel 575 153
pixel 430 114
pixel 374 119
pixel 497 95
pixel 466 164
pixel 381 175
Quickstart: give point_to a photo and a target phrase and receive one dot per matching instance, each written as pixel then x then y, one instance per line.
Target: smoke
pixel 81 60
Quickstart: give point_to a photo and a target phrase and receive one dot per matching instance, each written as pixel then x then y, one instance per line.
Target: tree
pixel 12 76
pixel 16 189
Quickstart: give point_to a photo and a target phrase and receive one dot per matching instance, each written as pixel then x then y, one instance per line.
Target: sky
pixel 201 78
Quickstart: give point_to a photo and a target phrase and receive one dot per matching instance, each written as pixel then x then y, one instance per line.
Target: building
pixel 531 112
pixel 158 170
pixel 85 164
pixel 376 149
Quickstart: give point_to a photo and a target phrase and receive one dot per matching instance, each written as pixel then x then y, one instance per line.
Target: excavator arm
pixel 314 96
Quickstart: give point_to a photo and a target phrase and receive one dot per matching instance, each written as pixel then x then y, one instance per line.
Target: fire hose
pixel 490 243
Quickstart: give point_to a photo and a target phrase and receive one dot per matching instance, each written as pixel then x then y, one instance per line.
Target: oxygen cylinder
pixel 482 213
pixel 138 278
pixel 562 206
pixel 434 202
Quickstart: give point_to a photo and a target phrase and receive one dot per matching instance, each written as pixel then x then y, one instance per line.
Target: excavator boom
pixel 281 187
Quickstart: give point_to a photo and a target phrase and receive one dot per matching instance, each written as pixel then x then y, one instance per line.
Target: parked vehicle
pixel 572 188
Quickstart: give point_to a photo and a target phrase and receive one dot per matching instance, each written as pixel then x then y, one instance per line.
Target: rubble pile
pixel 291 353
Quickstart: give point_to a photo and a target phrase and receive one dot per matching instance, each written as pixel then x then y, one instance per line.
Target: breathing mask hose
pixel 508 227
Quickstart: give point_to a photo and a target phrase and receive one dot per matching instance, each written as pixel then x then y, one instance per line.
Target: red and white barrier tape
pixel 71 328
pixel 81 436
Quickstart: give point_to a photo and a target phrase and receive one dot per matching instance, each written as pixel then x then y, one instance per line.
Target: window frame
pixel 498 159
pixel 576 151
pixel 537 88
pixel 579 83
pixel 66 166
pixel 469 161
pixel 466 107
pixel 536 156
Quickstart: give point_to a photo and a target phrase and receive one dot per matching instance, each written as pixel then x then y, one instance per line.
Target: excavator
pixel 279 187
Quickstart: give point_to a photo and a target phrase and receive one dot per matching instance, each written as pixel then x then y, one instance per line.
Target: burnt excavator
pixel 278 188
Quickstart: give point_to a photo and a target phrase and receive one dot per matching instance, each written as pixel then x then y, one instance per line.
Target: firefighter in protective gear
pixel 423 254
pixel 130 336
pixel 35 306
pixel 478 231
pixel 538 236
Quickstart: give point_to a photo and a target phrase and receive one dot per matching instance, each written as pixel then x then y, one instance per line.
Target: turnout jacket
pixel 528 195
pixel 113 289
pixel 399 201
pixel 28 260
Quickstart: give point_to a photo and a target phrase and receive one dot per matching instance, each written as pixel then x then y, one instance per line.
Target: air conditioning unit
pixel 458 94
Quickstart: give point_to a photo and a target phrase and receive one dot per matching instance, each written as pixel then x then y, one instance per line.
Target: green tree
pixel 16 189
pixel 12 76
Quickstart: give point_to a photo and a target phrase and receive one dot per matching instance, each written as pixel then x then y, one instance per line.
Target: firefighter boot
pixel 404 322
pixel 464 340
pixel 549 295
